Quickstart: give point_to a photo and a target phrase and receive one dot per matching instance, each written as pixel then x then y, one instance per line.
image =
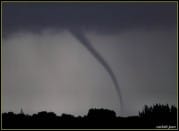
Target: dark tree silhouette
pixel 101 114
pixel 149 118
pixel 160 114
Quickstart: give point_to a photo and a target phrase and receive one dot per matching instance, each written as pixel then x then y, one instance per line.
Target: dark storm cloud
pixel 104 17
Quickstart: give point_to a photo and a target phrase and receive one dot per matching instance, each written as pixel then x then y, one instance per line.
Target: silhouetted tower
pixel 21 111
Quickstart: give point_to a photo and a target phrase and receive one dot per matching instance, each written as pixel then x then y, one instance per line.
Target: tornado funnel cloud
pixel 78 34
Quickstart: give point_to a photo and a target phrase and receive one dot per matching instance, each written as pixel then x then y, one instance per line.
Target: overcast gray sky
pixel 45 67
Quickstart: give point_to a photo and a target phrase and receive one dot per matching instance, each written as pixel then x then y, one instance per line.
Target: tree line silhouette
pixel 150 117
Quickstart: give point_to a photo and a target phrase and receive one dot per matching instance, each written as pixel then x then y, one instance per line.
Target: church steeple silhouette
pixel 21 111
